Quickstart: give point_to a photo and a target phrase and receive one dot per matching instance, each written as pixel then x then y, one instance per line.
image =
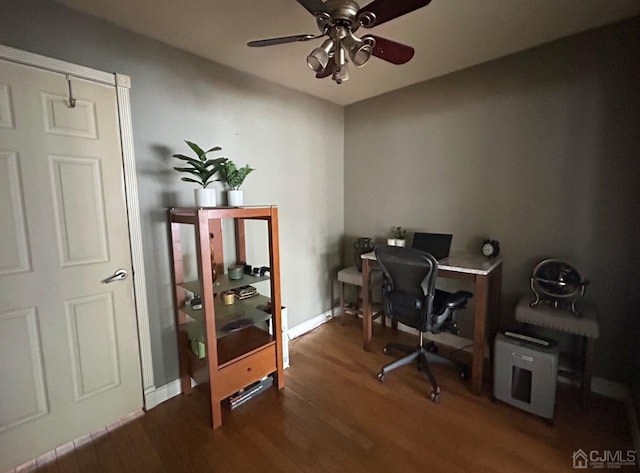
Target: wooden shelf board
pixel 226 314
pixel 188 215
pixel 223 283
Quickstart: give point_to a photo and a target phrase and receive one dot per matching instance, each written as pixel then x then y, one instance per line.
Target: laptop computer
pixel 436 244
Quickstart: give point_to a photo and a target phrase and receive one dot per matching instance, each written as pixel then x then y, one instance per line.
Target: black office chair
pixel 410 296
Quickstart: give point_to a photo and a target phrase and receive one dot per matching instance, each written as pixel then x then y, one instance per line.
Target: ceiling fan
pixel 338 20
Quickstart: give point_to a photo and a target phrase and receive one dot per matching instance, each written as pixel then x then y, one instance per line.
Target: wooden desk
pixel 486 275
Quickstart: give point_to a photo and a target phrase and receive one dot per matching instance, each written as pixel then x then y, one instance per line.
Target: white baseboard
pixel 163 393
pixel 611 389
pixel 309 325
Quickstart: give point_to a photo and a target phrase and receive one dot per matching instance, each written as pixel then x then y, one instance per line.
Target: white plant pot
pixel 205 197
pixel 391 241
pixel 235 198
pixel 400 242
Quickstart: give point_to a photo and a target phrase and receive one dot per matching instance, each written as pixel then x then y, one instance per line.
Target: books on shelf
pixel 251 391
pixel 245 292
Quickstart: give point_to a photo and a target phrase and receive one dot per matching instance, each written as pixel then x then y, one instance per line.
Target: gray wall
pixel 176 96
pixel 538 150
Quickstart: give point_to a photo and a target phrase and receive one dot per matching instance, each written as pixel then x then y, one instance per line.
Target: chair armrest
pixel 457 299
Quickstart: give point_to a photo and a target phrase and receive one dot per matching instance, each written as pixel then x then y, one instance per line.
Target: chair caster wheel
pixel 432 348
pixel 380 376
pixel 386 351
pixel 434 396
pixel 464 373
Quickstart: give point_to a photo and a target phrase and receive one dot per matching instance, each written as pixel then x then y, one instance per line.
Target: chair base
pixel 421 355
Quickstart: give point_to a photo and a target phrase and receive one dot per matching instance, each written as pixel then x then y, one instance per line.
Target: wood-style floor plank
pixel 334 416
pixel 66 459
pixel 86 456
pixel 128 457
pixel 106 452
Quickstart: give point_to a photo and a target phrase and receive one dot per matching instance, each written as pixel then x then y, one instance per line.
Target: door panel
pixel 24 380
pixel 14 257
pixel 68 341
pixel 6 114
pixel 79 210
pixel 61 119
pixel 92 344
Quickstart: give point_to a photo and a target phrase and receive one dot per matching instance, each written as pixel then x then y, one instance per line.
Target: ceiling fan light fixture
pixel 318 59
pixel 340 73
pixel 359 50
pixel 341 60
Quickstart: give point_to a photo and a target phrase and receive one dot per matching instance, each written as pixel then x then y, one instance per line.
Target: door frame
pixel 122 84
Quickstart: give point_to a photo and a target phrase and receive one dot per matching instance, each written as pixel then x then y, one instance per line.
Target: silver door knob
pixel 117 276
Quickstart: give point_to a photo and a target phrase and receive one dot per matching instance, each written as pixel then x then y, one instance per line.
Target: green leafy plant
pixel 398 233
pixel 201 168
pixel 233 176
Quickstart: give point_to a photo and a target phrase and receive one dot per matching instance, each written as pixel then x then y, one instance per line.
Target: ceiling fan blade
pixel 386 10
pixel 327 71
pixel 284 39
pixel 390 51
pixel 313 6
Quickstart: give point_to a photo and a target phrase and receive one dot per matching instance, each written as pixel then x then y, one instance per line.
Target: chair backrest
pixel 409 285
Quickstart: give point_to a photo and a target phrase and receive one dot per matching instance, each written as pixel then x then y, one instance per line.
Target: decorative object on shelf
pixel 361 245
pixel 198 348
pixel 558 283
pixel 398 237
pixel 203 170
pixel 490 248
pixel 245 292
pixel 196 302
pixel 236 271
pixel 233 177
pixel 228 297
pixel 339 20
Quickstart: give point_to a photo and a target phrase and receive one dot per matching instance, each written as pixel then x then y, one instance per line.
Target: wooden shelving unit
pixel 234 358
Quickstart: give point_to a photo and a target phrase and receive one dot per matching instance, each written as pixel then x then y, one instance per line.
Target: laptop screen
pixel 436 244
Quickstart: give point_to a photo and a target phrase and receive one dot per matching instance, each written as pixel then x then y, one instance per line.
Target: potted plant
pixel 398 237
pixel 233 177
pixel 202 170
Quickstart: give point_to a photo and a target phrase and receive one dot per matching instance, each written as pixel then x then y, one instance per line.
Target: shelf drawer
pixel 245 371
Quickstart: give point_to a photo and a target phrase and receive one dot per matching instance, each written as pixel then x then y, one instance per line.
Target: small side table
pixel 563 320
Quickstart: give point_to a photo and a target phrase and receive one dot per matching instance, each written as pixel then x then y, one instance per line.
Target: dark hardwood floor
pixel 334 416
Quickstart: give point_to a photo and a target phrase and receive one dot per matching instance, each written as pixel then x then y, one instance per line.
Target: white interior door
pixel 69 358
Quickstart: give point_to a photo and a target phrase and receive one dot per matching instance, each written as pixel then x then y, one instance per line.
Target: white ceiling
pixel 447 35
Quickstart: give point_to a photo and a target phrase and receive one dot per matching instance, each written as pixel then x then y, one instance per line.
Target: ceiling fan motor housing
pixel 345 10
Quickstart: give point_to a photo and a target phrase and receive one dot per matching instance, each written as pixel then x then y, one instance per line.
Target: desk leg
pixel 587 369
pixel 479 329
pixel 495 301
pixel 366 306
